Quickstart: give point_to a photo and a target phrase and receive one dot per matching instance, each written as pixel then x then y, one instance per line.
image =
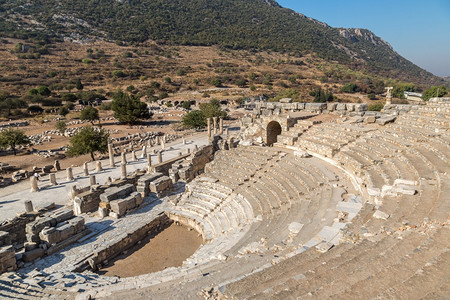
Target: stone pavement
pixel 13 197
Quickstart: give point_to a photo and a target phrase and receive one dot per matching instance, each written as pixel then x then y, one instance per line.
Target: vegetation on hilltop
pixel 235 24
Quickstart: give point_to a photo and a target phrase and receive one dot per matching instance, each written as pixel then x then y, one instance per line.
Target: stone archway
pixel 273 130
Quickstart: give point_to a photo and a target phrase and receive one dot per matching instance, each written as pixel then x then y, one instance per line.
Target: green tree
pixel 12 138
pixel 63 111
pixel 212 109
pixel 322 96
pixel 194 119
pixel 44 91
pixel 186 104
pixel 128 108
pixel 434 91
pixel 88 140
pixel 349 88
pixel 90 113
pixel 79 85
pixel 9 104
pixel 61 126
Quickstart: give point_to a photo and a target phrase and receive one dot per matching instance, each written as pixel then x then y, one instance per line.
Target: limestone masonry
pixel 307 200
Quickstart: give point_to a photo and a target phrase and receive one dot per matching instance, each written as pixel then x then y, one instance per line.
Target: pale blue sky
pixel 418 30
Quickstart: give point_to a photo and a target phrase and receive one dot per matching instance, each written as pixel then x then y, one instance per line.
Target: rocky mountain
pixel 237 24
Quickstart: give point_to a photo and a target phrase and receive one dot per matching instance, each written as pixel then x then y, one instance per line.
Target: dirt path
pixel 168 249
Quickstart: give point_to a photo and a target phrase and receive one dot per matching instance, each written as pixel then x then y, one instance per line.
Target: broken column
pixel 69 174
pixel 159 157
pixel 52 178
pixel 221 125
pixel 149 163
pixel 57 166
pixel 133 156
pixel 124 158
pixel 163 144
pixel 29 206
pixel 98 166
pixel 144 152
pixel 215 125
pixel 209 129
pixel 92 180
pixel 34 185
pixel 85 169
pixel 111 156
pixel 123 170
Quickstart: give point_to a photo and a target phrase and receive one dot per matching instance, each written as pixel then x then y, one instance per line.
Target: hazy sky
pixel 419 30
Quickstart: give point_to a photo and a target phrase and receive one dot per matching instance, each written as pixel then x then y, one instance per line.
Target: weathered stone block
pixel 62 215
pixel 114 193
pixel 315 106
pixel 161 184
pixel 78 223
pixel 36 226
pixel 66 231
pixel 50 235
pixel 331 106
pixel 33 254
pixel 102 212
pixel 119 206
pixel 5 238
pixel 341 106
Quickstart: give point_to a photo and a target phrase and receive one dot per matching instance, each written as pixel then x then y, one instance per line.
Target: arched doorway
pixel 273 130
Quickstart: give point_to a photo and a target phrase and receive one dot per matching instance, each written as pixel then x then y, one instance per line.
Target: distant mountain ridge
pixel 237 24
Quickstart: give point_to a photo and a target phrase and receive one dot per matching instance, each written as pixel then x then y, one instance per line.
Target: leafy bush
pixel 375 106
pixel 349 88
pixel 372 96
pixel 434 91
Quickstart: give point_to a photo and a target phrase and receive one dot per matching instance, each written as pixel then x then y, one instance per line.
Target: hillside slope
pixel 236 24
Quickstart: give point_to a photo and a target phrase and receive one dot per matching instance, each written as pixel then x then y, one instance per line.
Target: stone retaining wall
pixel 114 247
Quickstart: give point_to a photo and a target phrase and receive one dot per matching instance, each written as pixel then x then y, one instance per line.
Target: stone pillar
pixel 221 125
pixel 160 157
pixel 92 180
pixel 111 156
pixel 29 206
pixel 209 129
pixel 69 174
pixel 133 156
pixel 231 142
pixel 163 144
pixel 123 170
pixel 188 150
pixel 149 163
pixel 180 153
pixel 195 148
pixel 144 152
pixel 33 182
pixel 85 169
pixel 124 158
pixel 108 180
pixel 153 151
pixel 226 131
pixel 184 141
pixel 57 166
pixel 98 166
pixel 52 178
pixel 73 191
pixel 215 125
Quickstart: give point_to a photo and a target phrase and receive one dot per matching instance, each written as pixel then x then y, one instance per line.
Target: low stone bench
pixel 114 193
